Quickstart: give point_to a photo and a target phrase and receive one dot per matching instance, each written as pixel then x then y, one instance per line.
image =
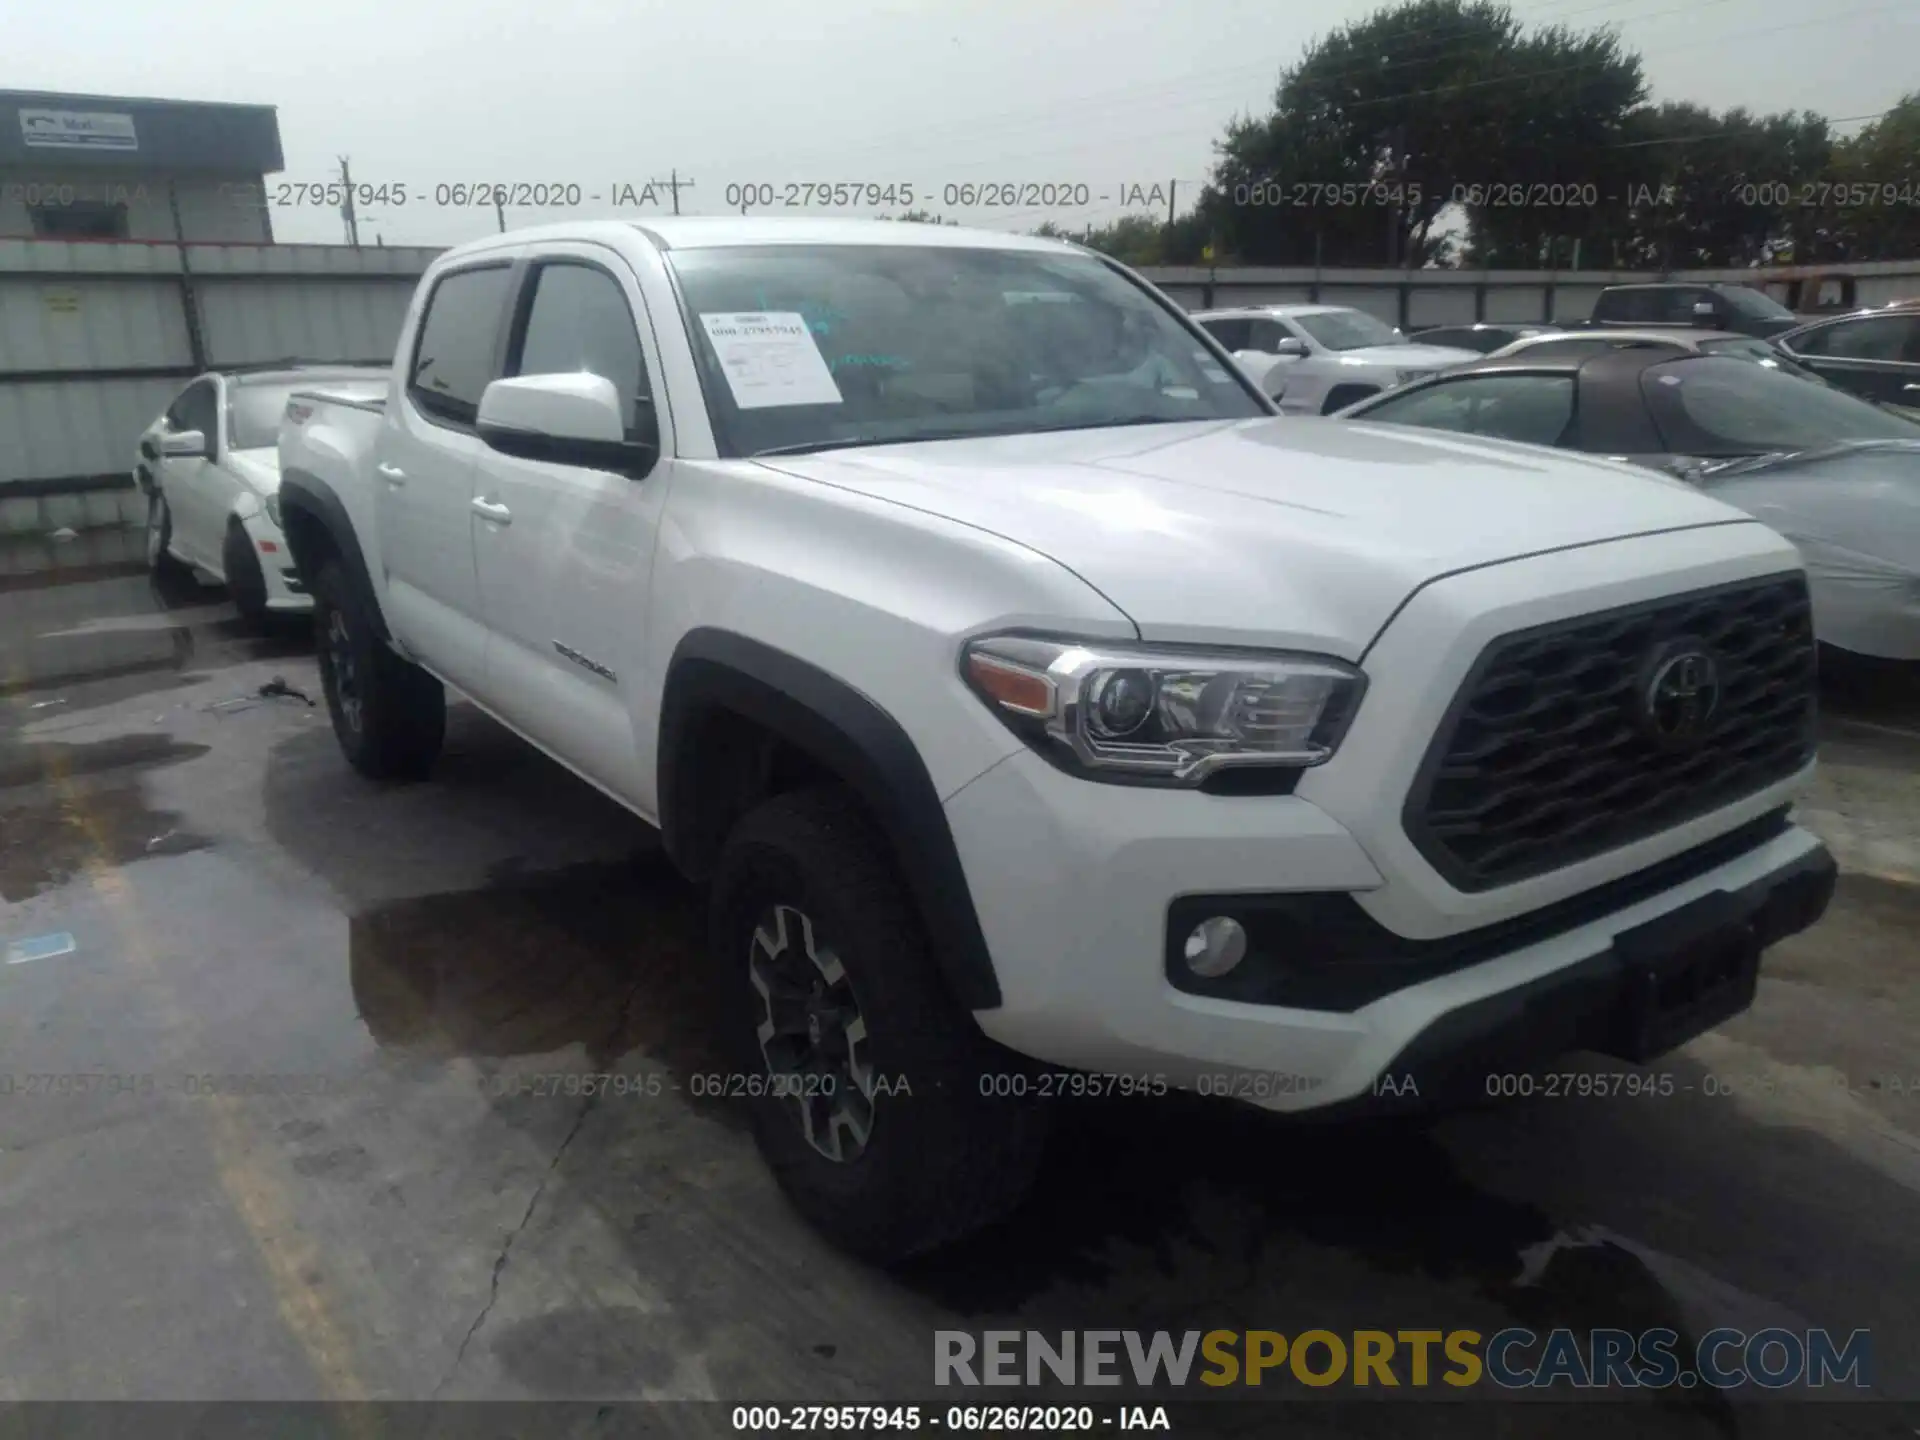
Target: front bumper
pixel 1076 885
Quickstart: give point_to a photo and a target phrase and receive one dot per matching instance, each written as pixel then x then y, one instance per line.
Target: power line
pixel 1723 134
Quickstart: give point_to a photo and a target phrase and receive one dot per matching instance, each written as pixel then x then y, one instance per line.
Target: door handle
pixel 392 474
pixel 492 510
pixel 1910 387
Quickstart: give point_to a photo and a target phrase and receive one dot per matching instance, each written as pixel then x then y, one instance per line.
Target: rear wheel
pixel 388 715
pixel 246 582
pixel 862 1074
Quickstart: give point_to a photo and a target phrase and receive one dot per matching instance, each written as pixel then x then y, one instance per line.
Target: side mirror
pixel 1703 312
pixel 571 419
pixel 149 450
pixel 183 445
pixel 1290 347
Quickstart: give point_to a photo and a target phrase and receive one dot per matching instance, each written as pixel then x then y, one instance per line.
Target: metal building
pixel 103 167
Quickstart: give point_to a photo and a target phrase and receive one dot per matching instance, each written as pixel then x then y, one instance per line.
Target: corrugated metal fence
pixel 95 338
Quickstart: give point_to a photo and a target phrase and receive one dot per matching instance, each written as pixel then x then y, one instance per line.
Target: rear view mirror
pixel 571 419
pixel 183 444
pixel 1703 312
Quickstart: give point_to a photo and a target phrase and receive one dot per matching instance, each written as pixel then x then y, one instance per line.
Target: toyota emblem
pixel 1681 695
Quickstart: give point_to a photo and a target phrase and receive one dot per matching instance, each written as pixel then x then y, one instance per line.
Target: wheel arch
pixel 719 682
pixel 318 529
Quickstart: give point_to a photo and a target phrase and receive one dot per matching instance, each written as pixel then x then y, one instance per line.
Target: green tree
pixel 1375 127
pixel 1873 213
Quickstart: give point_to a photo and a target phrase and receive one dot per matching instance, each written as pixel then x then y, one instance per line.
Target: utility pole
pixel 500 208
pixel 675 184
pixel 1172 187
pixel 346 204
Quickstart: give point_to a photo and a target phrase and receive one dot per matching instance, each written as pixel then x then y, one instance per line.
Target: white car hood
pixel 1306 532
pixel 258 469
pixel 1405 357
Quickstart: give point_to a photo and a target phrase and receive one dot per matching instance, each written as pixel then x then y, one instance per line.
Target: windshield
pixel 1347 329
pixel 1745 300
pixel 1715 406
pixel 817 346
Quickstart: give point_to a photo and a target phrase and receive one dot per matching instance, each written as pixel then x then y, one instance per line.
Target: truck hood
pixel 1300 532
pixel 1405 357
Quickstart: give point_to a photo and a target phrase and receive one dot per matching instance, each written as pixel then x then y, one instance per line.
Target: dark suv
pixel 1739 308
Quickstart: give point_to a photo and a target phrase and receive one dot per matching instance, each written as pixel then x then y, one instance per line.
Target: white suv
pixel 1316 359
pixel 1029 696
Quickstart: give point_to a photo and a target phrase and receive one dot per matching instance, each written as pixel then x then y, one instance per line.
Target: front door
pixel 1875 356
pixel 424 469
pixel 565 552
pixel 184 478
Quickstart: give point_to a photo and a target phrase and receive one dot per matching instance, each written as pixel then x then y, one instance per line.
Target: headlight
pixel 1165 714
pixel 272 507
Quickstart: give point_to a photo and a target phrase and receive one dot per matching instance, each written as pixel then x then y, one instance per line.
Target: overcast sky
pixel 600 93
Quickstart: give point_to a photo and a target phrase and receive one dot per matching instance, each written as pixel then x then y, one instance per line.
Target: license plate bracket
pixel 1683 974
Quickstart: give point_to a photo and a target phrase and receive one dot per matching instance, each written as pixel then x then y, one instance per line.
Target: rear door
pixel 565 561
pixel 424 473
pixel 1875 356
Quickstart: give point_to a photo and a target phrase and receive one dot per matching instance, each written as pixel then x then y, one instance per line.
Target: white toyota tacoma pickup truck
pixel 1034 703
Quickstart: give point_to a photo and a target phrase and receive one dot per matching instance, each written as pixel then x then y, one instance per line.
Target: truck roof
pixel 700 232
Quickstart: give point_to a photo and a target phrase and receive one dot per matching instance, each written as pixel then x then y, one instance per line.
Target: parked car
pixel 1711 306
pixel 1873 353
pixel 1482 339
pixel 210 468
pixel 1703 342
pixel 1032 700
pixel 1837 476
pixel 1314 359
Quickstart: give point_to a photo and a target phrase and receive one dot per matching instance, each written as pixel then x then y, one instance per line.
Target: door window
pixel 1266 336
pixel 1233 334
pixel 579 322
pixel 1878 337
pixel 195 408
pixel 453 353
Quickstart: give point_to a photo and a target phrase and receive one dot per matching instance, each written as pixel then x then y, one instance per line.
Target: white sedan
pixel 210 468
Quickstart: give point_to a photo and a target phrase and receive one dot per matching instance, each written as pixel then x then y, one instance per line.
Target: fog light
pixel 1216 946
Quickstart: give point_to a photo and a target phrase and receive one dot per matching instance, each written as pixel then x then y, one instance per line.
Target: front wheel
pixel 388 715
pixel 160 559
pixel 862 1073
pixel 246 581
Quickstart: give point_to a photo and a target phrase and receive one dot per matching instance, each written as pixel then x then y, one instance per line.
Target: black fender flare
pixel 847 733
pixel 307 496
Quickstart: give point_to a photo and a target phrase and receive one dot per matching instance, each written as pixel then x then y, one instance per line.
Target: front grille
pixel 1548 756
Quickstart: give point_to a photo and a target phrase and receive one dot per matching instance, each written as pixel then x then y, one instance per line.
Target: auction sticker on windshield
pixel 769 358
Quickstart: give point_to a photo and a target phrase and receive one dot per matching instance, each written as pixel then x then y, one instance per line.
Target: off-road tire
pixel 389 716
pixel 941 1160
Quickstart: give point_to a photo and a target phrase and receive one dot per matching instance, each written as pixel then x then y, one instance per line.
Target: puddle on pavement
pixel 50 832
pixel 606 956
